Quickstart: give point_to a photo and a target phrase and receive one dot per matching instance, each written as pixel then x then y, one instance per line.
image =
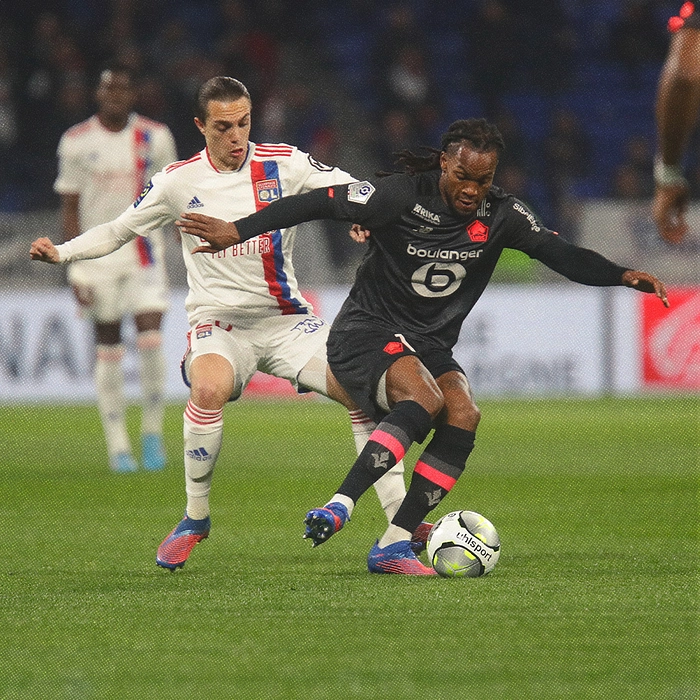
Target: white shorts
pixel 142 290
pixel 278 345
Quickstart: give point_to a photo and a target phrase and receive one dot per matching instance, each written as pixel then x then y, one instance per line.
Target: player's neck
pixel 113 123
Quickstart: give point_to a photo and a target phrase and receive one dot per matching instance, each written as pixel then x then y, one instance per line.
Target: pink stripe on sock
pixel 442 480
pixel 390 442
pixel 359 418
pixel 202 416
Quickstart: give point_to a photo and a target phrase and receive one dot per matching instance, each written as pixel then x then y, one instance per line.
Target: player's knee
pixel 209 396
pixel 472 417
pixel 212 381
pixel 462 412
pixel 210 392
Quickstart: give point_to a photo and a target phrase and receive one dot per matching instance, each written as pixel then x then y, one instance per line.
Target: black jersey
pixel 426 266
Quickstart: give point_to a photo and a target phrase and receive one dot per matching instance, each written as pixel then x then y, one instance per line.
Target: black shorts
pixel 359 356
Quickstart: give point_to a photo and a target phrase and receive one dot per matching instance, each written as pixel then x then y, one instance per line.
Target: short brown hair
pixel 219 88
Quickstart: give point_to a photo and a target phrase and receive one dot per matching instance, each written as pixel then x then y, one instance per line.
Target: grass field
pixel 595 594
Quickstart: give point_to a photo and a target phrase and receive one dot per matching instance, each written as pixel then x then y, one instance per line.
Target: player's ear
pixel 199 124
pixel 443 161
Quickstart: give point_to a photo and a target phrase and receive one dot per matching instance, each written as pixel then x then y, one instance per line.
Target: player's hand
pixel 359 234
pixel 218 233
pixel 645 282
pixel 668 211
pixel 42 249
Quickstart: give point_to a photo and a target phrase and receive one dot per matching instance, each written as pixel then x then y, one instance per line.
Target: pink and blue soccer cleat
pixel 176 547
pixel 397 558
pixel 321 523
pixel 419 541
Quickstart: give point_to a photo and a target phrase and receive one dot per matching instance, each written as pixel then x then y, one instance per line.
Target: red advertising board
pixel 671 340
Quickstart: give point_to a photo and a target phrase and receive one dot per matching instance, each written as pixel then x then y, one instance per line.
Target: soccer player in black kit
pixel 437 231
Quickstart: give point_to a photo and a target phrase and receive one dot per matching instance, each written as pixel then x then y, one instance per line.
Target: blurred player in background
pixel 103 164
pixel 244 306
pixel 677 107
pixel 437 232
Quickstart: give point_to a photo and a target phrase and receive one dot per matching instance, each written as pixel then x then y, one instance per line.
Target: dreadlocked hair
pixel 413 163
pixel 480 134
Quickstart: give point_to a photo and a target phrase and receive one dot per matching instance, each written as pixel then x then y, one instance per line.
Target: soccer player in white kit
pixel 244 306
pixel 103 163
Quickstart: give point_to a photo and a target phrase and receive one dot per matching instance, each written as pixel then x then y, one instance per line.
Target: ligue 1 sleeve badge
pixel 478 232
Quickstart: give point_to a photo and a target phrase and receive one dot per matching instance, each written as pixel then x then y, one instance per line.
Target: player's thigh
pixel 460 408
pixel 294 348
pixel 148 321
pixel 108 333
pixel 209 339
pixel 360 359
pixel 408 379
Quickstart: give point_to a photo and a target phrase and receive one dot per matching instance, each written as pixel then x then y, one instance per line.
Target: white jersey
pixel 255 277
pixel 108 170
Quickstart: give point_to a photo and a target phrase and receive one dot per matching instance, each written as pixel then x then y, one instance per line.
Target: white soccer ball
pixel 463 543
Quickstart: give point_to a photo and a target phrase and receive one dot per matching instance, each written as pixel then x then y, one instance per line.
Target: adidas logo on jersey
pixel 194 203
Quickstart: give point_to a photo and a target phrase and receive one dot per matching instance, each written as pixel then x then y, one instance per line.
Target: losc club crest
pixel 267 191
pixel 478 232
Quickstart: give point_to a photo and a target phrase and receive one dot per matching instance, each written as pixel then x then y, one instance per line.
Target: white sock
pixel 109 381
pixel 345 500
pixel 391 488
pixel 202 431
pixel 149 344
pixel 393 534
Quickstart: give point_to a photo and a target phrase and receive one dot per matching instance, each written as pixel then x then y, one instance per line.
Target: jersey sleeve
pixel 310 174
pixel 581 265
pixel 151 210
pixel 71 174
pixel 370 204
pixel 96 242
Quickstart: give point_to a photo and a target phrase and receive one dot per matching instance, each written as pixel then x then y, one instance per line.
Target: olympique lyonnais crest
pixel 203 330
pixel 478 232
pixel 267 191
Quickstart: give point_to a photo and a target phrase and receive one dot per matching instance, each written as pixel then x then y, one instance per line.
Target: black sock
pixel 434 475
pixel 407 423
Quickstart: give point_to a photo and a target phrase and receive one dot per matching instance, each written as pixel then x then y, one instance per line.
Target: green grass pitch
pixel 595 595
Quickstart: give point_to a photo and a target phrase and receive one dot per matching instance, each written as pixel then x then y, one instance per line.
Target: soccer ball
pixel 463 543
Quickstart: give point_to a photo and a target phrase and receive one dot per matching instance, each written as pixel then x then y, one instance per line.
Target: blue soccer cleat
pixel 397 558
pixel 152 452
pixel 122 463
pixel 321 523
pixel 176 547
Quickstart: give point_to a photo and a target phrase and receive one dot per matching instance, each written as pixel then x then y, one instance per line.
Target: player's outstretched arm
pixel 218 233
pixel 647 283
pixel 282 213
pixel 43 249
